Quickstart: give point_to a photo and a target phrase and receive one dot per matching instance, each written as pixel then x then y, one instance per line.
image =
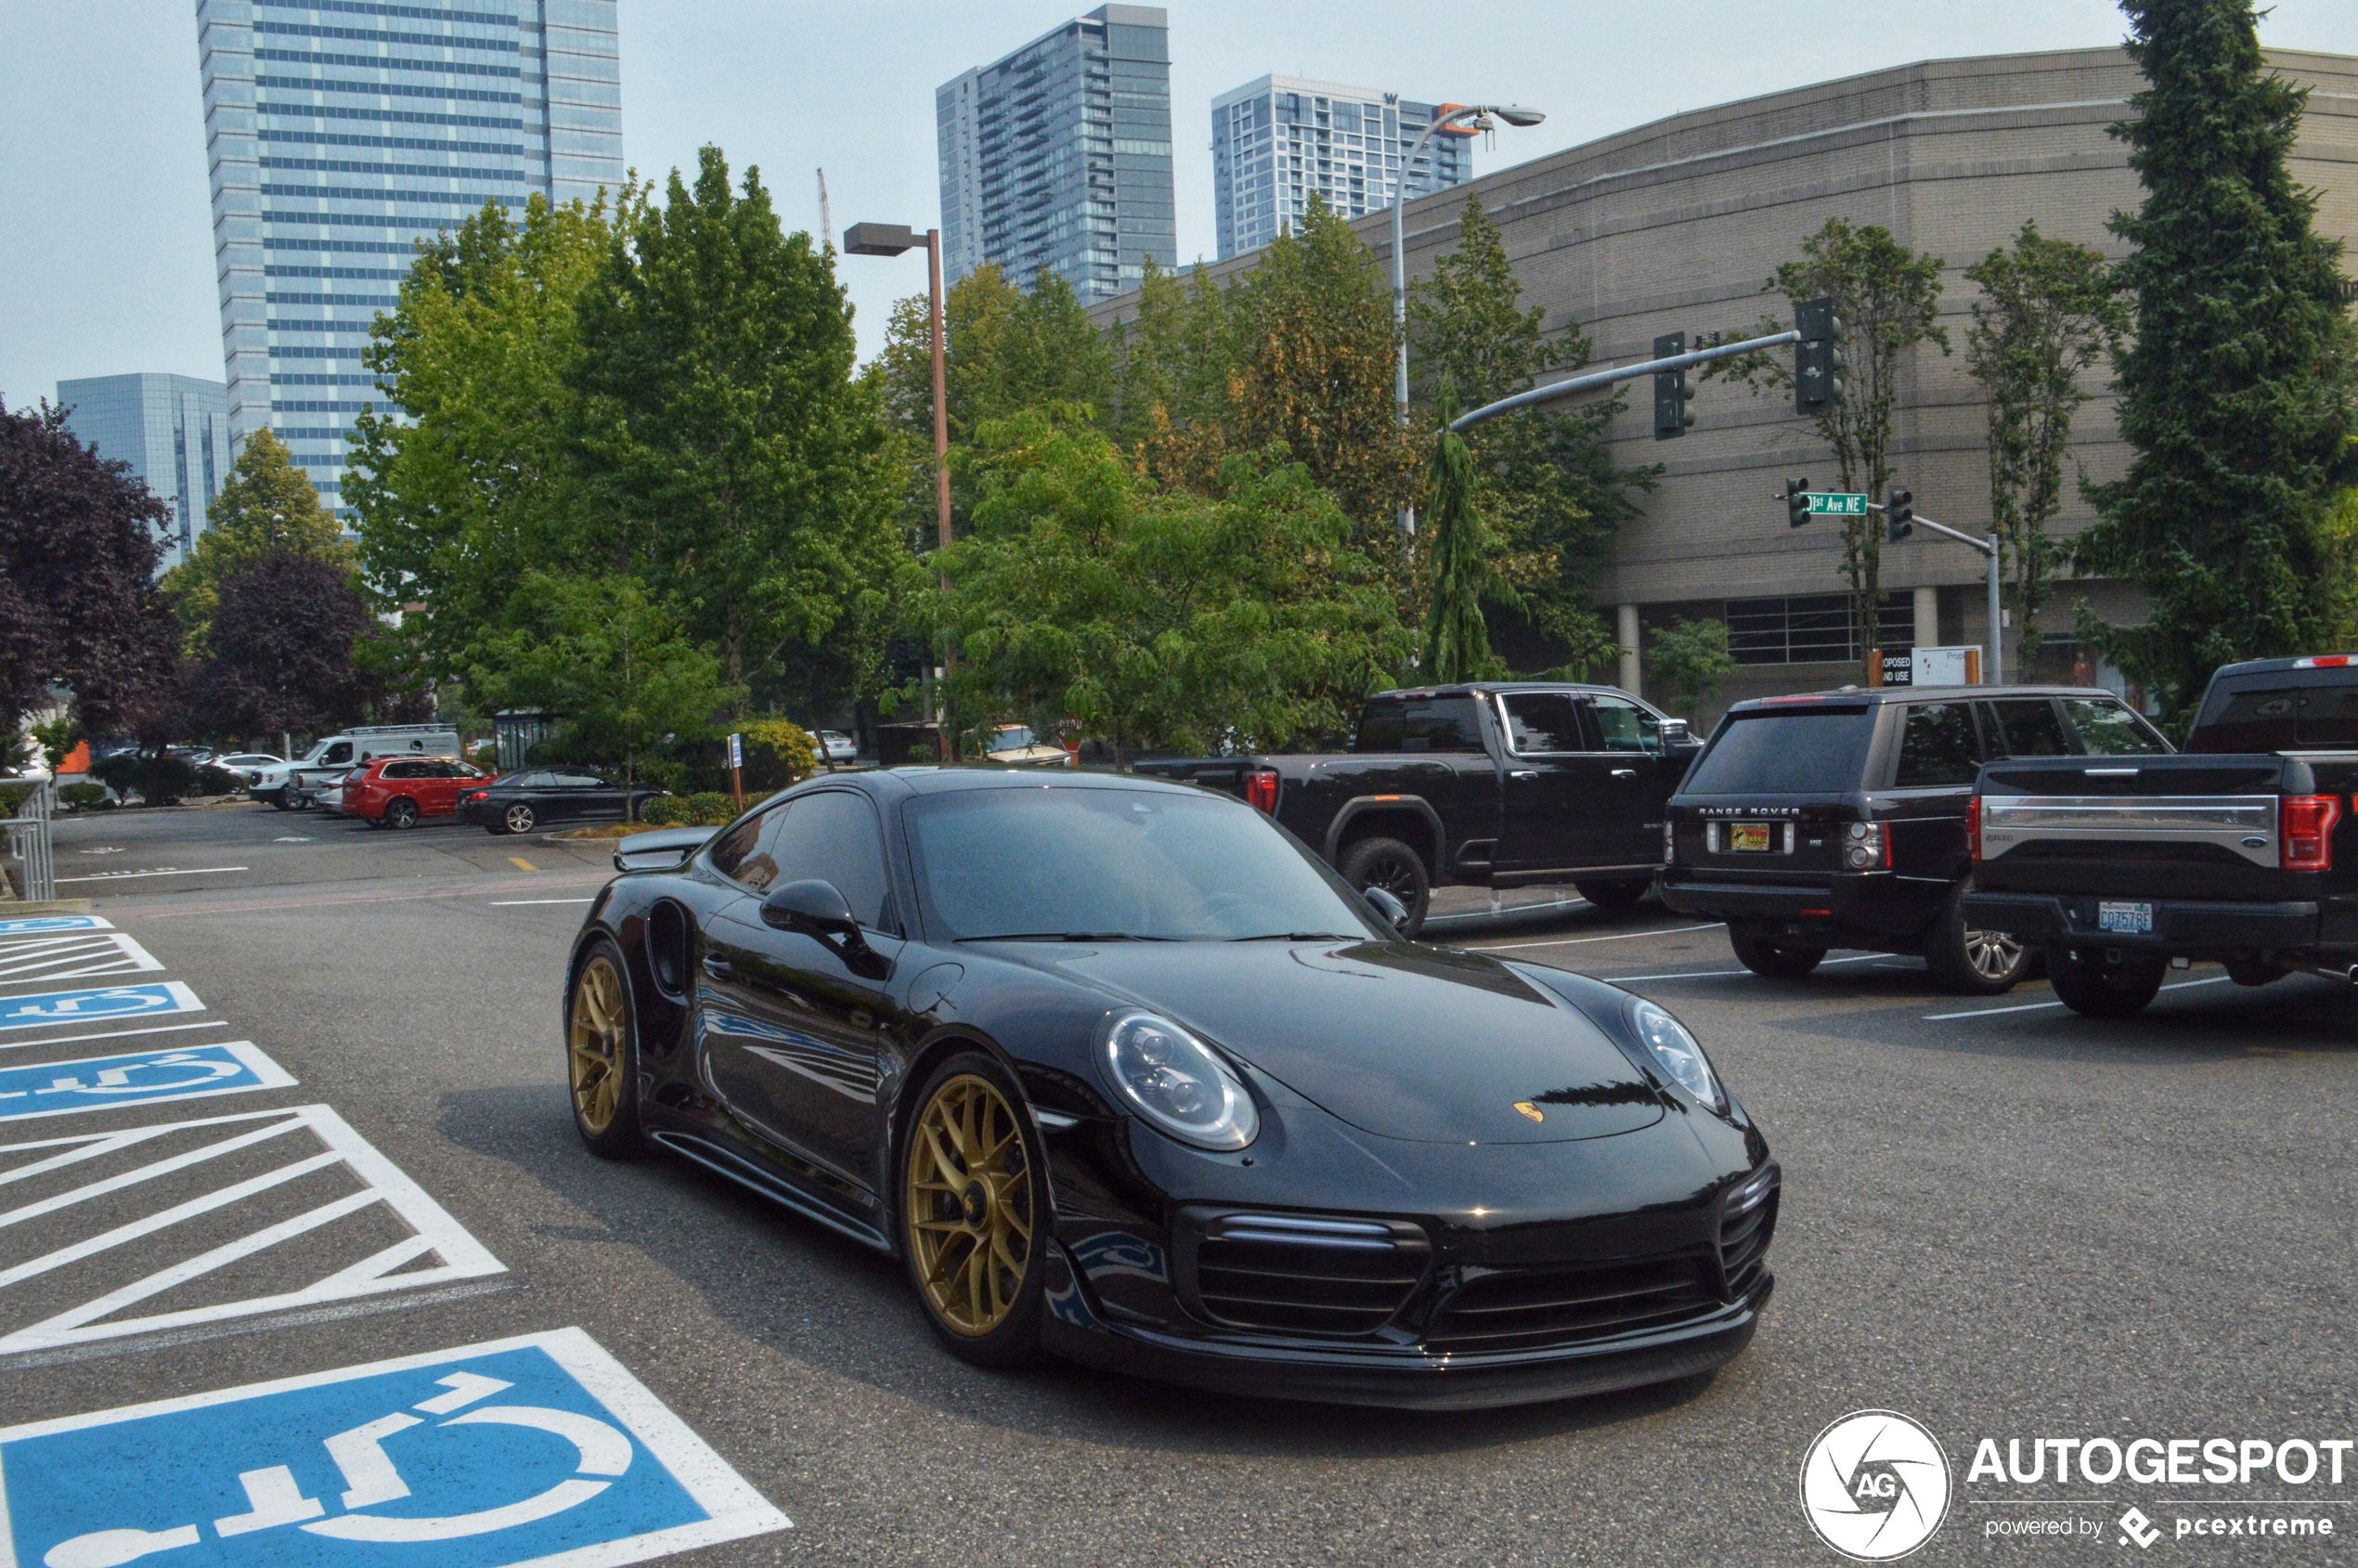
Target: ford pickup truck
pixel 2238 850
pixel 1498 784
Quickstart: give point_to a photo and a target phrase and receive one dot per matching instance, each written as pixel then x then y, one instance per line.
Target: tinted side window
pixel 2110 729
pixel 1539 722
pixel 2029 728
pixel 578 781
pixel 537 780
pixel 1381 727
pixel 1441 725
pixel 1938 748
pixel 1624 726
pixel 734 850
pixel 340 752
pixel 834 837
pixel 2247 719
pixel 403 771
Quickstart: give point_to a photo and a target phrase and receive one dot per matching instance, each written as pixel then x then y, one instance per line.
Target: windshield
pixel 1806 751
pixel 1105 864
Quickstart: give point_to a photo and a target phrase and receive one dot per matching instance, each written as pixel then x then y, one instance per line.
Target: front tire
pixel 602 1054
pixel 1398 869
pixel 974 1212
pixel 1766 959
pixel 518 819
pixel 282 798
pixel 1970 963
pixel 2089 985
pixel 1614 895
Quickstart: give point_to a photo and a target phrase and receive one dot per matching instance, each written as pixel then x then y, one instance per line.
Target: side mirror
pixel 1675 733
pixel 1388 907
pixel 813 908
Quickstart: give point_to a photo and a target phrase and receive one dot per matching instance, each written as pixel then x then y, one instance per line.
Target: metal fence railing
pixel 30 842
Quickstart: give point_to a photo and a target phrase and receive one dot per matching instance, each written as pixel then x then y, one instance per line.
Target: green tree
pixel 1546 480
pixel 1459 552
pixel 1177 368
pixel 1887 299
pixel 724 429
pixel 2236 389
pixel 617 664
pixel 2047 314
pixel 1155 617
pixel 1692 656
pixel 268 504
pixel 482 481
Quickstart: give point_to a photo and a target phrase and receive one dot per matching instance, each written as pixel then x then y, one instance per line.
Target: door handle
pixel 1524 774
pixel 719 968
pixel 1624 772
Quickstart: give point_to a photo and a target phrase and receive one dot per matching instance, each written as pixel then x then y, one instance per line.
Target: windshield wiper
pixel 1066 937
pixel 1303 937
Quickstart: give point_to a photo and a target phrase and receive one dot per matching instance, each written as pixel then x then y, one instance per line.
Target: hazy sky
pixel 105 239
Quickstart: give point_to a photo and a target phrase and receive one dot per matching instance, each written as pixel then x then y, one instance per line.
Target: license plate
pixel 2128 919
pixel 1751 838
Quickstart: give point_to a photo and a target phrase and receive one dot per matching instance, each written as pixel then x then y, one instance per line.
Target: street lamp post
pixel 892 239
pixel 1480 113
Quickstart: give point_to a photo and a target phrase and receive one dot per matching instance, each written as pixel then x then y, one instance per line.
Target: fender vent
pixel 1299 1274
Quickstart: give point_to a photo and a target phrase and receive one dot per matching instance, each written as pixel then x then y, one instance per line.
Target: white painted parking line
pixel 1721 974
pixel 2037 1006
pixel 626 1480
pixel 518 904
pixel 1575 941
pixel 111 1034
pixel 168 871
pixel 72 955
pixel 319 1142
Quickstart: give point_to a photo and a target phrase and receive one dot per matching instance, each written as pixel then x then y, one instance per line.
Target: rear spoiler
pixel 666 848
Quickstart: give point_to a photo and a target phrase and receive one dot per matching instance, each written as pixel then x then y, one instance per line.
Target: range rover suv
pixel 1839 820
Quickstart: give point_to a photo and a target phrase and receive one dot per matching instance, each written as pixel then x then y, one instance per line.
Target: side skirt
pixel 714 1157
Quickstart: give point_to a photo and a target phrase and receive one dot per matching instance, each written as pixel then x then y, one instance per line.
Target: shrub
pixel 83 797
pixel 709 810
pixel 11 795
pixel 217 780
pixel 920 751
pixel 777 754
pixel 486 755
pixel 159 779
pixel 665 810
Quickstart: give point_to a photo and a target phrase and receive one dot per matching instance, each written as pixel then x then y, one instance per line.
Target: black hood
pixel 1399 1040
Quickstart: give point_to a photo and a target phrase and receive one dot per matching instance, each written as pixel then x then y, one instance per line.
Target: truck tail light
pixel 1973 826
pixel 2306 829
pixel 1261 790
pixel 1865 847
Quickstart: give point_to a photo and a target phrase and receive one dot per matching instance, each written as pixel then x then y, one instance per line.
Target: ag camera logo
pixel 1874 1485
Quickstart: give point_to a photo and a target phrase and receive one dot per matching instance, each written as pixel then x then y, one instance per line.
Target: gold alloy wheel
pixel 596 1044
pixel 969 1205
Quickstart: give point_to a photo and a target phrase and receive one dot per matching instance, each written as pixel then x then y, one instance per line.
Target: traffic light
pixel 1797 502
pixel 1899 514
pixel 1671 391
pixel 1816 358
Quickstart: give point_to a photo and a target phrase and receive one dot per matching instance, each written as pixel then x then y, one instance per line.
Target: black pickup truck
pixel 2240 849
pixel 1492 785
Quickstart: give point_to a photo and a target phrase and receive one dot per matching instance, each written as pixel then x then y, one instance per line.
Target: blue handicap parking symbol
pixel 479 1457
pixel 32 923
pixel 189 1072
pixel 103 1005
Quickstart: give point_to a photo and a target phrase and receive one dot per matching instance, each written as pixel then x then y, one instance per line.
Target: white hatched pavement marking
pixel 382 1182
pixel 72 955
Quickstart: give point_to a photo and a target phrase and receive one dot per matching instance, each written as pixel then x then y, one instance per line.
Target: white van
pixel 293 786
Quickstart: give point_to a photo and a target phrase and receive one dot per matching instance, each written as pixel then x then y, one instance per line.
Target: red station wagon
pixel 396 791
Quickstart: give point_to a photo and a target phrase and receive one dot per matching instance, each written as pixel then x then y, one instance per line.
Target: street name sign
pixel 1832 503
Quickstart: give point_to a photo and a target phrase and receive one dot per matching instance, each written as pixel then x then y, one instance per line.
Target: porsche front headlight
pixel 1669 1042
pixel 1178 1082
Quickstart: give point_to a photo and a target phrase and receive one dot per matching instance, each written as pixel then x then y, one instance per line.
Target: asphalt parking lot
pixel 2001 1219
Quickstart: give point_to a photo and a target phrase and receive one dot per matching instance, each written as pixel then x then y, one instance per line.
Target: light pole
pixel 892 239
pixel 1479 114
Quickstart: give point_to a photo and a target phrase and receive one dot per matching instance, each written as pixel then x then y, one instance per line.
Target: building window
pixel 1812 628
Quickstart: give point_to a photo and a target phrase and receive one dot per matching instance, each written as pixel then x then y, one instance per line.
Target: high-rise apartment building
pixel 341 132
pixel 1278 140
pixel 173 431
pixel 1059 156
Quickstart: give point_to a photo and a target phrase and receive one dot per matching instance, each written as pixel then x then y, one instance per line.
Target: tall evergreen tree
pixel 268 504
pixel 2235 391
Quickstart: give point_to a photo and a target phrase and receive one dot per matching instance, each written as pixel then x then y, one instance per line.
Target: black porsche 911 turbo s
pixel 1120 1070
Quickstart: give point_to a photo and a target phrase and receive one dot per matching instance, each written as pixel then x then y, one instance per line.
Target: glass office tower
pixel 341 132
pixel 1058 156
pixel 1278 140
pixel 173 431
